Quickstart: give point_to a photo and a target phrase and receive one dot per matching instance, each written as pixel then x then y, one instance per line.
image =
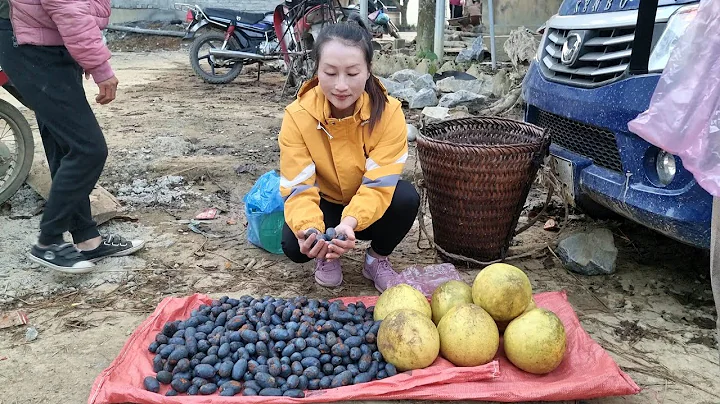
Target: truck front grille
pixel 604 56
pixel 597 144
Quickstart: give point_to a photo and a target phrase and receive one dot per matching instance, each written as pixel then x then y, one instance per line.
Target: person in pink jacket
pixel 456 9
pixel 45 48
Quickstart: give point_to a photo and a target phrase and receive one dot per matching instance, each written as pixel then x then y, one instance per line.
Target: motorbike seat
pixel 235 15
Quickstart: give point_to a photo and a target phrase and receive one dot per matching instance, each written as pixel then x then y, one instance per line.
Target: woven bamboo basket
pixel 478 173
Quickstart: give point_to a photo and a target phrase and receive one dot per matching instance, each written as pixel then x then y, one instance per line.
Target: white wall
pixel 509 14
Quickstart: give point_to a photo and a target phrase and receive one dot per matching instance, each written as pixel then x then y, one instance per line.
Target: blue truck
pixel 582 90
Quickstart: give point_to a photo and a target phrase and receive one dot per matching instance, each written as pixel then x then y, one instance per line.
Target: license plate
pixel 564 171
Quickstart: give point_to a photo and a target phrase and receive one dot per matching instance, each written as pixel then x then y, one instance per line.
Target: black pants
pixel 385 234
pixel 50 81
pixel 456 11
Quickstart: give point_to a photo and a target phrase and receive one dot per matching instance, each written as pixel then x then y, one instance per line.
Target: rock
pixel 387 65
pixel 381 65
pixel 453 99
pixel 476 51
pixel 475 71
pixel 521 46
pixel 424 98
pixel 501 83
pixel 453 37
pixel 397 65
pixel 478 106
pixel 31 334
pixel 26 203
pixel 405 75
pixel 424 81
pixel 413 88
pixel 412 132
pixel 103 205
pixel 404 94
pixel 452 85
pixel 438 113
pixel 423 67
pixel 447 67
pixel 390 85
pixel 170 180
pixel 589 252
pixel 407 51
pixel 460 111
pixel 550 225
pixel 407 61
pixel 411 79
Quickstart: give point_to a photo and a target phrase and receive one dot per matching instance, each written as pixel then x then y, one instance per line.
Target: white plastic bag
pixel 684 114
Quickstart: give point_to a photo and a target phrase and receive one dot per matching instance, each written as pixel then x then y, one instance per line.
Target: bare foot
pixel 91 244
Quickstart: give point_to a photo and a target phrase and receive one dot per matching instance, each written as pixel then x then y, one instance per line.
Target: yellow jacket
pixel 339 159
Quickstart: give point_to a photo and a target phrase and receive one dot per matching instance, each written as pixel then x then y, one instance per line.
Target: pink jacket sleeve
pixel 81 35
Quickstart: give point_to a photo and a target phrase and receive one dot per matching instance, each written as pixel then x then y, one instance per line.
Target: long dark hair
pixel 355 33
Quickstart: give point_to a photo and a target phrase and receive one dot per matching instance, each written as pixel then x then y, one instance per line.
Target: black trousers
pixel 50 81
pixel 385 234
pixel 456 11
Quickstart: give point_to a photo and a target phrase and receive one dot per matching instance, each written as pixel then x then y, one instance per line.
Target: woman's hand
pixel 339 247
pixel 107 90
pixel 305 241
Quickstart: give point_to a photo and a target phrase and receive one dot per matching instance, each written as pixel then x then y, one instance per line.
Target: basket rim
pixel 540 140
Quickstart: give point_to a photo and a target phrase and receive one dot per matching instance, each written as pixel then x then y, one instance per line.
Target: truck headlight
pixel 676 26
pixel 665 166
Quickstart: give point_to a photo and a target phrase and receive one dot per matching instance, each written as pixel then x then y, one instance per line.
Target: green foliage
pixel 429 55
pixel 433 67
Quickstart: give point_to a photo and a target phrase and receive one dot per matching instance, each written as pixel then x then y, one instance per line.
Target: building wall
pixel 164 10
pixel 509 14
pixel 244 5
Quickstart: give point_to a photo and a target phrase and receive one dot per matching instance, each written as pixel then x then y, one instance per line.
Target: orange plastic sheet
pixel 586 372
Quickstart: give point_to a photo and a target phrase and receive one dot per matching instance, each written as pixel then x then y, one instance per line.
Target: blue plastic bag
pixel 264 210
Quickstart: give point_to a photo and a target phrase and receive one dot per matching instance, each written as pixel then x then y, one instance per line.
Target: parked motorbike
pixel 236 39
pixel 379 21
pixel 17 147
pixel 298 23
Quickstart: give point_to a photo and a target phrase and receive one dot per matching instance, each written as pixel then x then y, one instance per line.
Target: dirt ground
pixel 178 146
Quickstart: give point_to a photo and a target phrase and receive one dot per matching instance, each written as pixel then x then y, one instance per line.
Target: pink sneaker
pixel 328 273
pixel 380 272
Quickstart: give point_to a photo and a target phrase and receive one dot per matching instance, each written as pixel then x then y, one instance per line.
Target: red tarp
pixel 586 372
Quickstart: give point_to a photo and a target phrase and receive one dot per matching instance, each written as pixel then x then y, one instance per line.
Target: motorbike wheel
pixel 14 165
pixel 301 66
pixel 213 77
pixel 392 30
